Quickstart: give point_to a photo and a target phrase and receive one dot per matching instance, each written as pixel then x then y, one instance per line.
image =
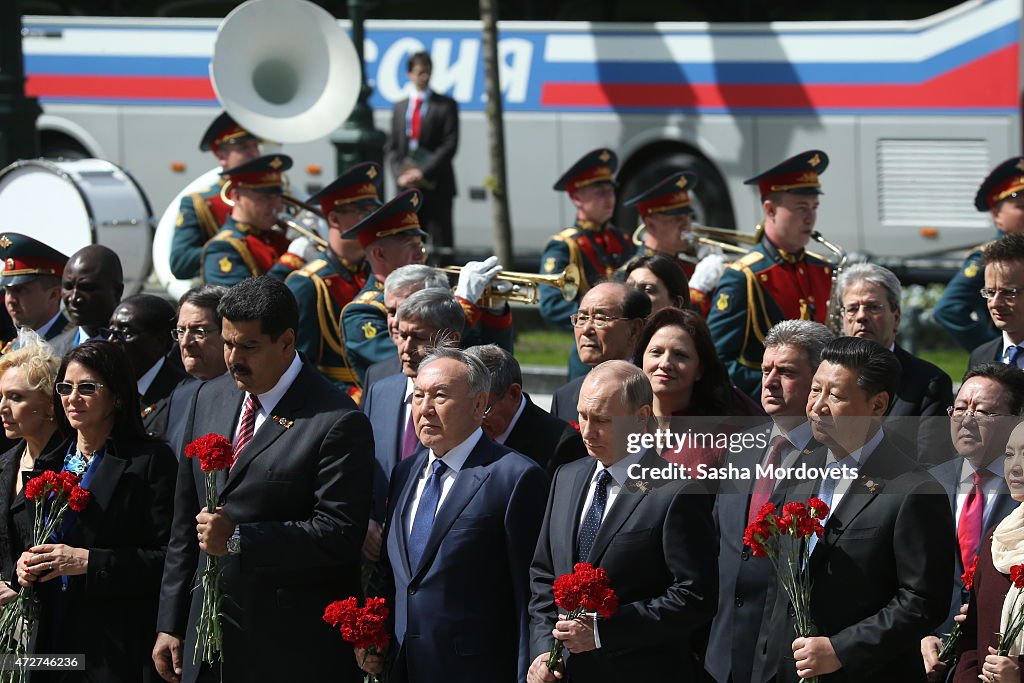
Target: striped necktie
pixel 247 427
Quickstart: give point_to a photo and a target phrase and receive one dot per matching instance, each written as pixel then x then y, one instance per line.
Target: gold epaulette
pixel 312 267
pixel 366 297
pixel 569 232
pixel 747 261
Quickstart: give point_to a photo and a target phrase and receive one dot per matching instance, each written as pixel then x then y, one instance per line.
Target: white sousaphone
pixel 287 72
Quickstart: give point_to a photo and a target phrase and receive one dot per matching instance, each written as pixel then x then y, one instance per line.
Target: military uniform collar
pixel 589 226
pixel 244 228
pixel 779 255
pixel 354 268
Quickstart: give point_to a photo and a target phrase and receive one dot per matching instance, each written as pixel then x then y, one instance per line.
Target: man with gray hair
pixel 463 517
pixel 870 296
pixel 426 319
pixel 516 421
pixel 603 510
pixel 792 351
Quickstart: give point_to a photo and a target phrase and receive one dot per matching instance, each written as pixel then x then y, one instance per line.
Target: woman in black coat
pixel 99 585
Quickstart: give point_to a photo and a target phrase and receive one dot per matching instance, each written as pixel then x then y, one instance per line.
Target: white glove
pixel 298 246
pixel 706 274
pixel 706 250
pixel 475 277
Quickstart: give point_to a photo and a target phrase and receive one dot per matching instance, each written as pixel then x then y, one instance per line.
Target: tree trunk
pixel 498 181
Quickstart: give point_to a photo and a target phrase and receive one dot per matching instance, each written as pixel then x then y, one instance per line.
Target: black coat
pixel 300 495
pixel 439 140
pixel 566 398
pixel 551 442
pixel 989 352
pixel 917 418
pixel 110 612
pixel 153 405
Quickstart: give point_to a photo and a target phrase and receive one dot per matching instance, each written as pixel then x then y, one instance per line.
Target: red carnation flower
pixel 365 627
pixel 766 509
pixel 785 524
pixel 795 509
pixel 968 576
pixel 755 537
pixel 34 488
pixel 1017 575
pixel 66 482
pixel 214 452
pixel 79 499
pixel 818 508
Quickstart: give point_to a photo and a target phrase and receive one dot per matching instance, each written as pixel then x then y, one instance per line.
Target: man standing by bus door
pixel 777 280
pixel 960 309
pixel 592 244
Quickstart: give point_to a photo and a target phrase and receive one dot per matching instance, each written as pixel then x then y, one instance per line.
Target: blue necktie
pixel 828 490
pixel 592 520
pixel 425 512
pixel 1011 359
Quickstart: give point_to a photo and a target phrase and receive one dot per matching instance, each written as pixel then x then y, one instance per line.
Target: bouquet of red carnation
pixel 1015 619
pixel 60 493
pixel 586 589
pixel 365 627
pixel 214 453
pixel 785 539
pixel 952 639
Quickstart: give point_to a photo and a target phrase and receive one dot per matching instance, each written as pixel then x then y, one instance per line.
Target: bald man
pixel 92 285
pixel 618 520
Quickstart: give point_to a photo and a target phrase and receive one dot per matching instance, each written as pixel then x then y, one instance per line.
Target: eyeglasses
pixel 581 319
pixel 871 309
pixel 961 413
pixel 1008 293
pixel 199 333
pixel 84 388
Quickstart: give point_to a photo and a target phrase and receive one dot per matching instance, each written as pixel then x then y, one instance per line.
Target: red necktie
pixel 972 519
pixel 764 486
pixel 415 127
pixel 409 440
pixel 247 426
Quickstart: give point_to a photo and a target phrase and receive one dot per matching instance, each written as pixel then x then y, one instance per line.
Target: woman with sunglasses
pixel 99 582
pixel 26 408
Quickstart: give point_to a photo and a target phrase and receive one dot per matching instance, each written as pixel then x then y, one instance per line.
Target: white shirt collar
pixel 515 418
pixel 1007 345
pixel 409 388
pixel 43 329
pixel 859 456
pixel 147 378
pixel 967 470
pixel 798 437
pixel 619 470
pixel 456 458
pixel 270 399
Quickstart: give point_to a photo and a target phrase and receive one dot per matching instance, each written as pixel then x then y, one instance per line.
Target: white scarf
pixel 1008 551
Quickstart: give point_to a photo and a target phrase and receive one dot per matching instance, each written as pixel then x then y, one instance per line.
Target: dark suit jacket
pixel 300 494
pixel 983 616
pixel 989 352
pixel 948 474
pixel 461 615
pixel 384 404
pixel 566 398
pixel 154 403
pixel 109 613
pixel 655 547
pixel 880 573
pixel 545 438
pixel 917 418
pixel 439 140
pixel 379 371
pixel 179 405
pixel 16 530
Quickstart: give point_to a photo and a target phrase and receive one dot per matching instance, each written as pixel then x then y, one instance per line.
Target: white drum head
pixel 36 201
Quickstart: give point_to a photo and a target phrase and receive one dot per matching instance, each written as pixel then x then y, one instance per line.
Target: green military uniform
pixel 961 308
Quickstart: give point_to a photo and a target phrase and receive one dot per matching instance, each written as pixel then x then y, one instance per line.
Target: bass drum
pixel 165 233
pixel 72 204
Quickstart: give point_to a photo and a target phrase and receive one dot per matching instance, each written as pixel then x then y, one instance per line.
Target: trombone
pixel 287 221
pixel 525 287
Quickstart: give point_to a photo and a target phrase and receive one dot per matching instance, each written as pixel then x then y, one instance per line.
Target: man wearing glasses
pixel 982 416
pixel 324 286
pixel 606 326
pixel 1004 282
pixel 870 296
pixel 142 325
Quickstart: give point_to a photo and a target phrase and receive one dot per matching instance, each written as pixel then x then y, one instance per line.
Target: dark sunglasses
pixel 84 388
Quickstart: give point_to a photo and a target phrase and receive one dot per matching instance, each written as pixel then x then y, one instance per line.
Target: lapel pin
pixel 870 484
pixel 283 421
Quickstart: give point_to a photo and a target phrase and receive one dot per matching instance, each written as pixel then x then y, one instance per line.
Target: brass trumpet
pixel 525 287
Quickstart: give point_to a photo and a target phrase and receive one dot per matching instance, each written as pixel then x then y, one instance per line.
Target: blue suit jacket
pixel 461 615
pixel 948 474
pixel 383 404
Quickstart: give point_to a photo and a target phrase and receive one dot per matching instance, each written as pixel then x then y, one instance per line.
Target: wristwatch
pixel 235 542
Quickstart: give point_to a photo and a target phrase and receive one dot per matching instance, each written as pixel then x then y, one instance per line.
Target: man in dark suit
pixel 880 574
pixel 463 517
pixel 423 142
pixel 92 284
pixel 791 355
pixel 427 318
pixel 1004 283
pixel 870 297
pixel 514 420
pixel 984 413
pixel 142 325
pixel 605 327
pixel 201 347
pixel 293 506
pixel 653 542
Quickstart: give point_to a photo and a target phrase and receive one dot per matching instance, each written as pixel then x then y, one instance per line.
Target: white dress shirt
pixel 413 96
pixel 991 487
pixel 1005 358
pixel 512 423
pixel 455 459
pixel 270 399
pixel 618 472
